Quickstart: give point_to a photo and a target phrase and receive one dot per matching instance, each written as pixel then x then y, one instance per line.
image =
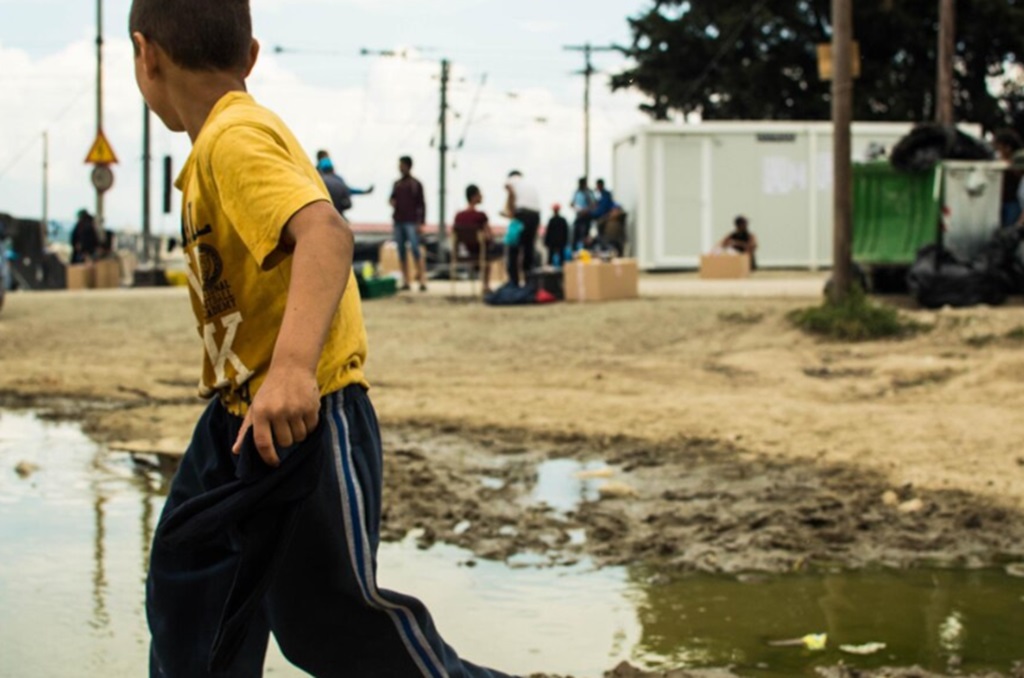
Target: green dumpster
pixel 895 214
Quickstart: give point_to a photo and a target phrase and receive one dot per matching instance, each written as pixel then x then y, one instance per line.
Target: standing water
pixel 76 530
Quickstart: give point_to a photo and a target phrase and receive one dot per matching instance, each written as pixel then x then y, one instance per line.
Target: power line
pixel 31 144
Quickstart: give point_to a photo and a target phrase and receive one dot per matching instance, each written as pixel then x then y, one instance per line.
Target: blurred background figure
pixel 85 243
pixel 341 192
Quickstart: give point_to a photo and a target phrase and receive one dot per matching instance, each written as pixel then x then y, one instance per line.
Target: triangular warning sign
pixel 101 152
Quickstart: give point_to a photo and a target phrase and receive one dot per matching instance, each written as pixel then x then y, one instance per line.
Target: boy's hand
pixel 286 409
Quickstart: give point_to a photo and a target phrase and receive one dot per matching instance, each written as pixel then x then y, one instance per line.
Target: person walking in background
pixel 272 522
pixel 341 192
pixel 583 204
pixel 556 237
pixel 410 214
pixel 524 206
pixel 85 242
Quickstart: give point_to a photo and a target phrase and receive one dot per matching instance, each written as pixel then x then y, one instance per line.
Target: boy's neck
pixel 195 94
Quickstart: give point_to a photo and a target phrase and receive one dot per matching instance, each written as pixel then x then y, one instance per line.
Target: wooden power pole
pixel 944 110
pixel 842 115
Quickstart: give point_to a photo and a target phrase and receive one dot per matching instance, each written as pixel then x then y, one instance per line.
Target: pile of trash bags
pixel 939 279
pixel 930 143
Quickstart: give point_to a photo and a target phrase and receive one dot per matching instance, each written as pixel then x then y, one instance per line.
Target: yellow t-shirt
pixel 246 177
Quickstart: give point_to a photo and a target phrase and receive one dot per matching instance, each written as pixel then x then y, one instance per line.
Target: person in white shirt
pixel 524 205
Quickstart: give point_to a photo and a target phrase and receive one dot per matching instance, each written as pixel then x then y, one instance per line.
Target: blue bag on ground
pixel 511 295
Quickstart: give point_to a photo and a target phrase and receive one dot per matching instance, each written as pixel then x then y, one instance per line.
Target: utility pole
pixel 944 110
pixel 441 222
pixel 100 226
pixel 147 214
pixel 588 70
pixel 842 115
pixel 446 67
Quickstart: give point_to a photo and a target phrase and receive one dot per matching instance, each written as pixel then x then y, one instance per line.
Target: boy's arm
pixel 287 406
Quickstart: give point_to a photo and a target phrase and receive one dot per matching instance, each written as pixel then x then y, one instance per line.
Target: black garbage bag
pixel 953 282
pixel 930 143
pixel 1000 258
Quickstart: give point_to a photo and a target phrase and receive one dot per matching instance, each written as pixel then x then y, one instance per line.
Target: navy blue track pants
pixel 243 550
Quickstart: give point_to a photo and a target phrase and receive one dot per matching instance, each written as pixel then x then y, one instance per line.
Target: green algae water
pixel 75 533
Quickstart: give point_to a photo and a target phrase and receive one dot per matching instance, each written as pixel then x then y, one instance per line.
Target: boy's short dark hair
pixel 199 35
pixel 405 160
pixel 472 191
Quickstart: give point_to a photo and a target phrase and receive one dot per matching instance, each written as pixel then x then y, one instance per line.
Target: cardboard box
pixel 108 274
pixel 499 272
pixel 81 276
pixel 601 281
pixel 387 262
pixel 725 266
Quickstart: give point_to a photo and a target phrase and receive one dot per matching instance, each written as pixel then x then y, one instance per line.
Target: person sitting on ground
pixel 742 240
pixel 556 236
pixel 469 224
pixel 85 242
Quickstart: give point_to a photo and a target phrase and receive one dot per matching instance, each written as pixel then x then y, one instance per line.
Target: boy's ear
pixel 254 53
pixel 147 53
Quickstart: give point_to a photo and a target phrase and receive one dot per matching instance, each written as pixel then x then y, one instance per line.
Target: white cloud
pixel 394 111
pixel 540 26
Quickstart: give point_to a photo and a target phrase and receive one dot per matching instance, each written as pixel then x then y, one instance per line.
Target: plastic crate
pixel 377 288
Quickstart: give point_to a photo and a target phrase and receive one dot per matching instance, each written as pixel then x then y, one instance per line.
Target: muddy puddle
pixel 76 522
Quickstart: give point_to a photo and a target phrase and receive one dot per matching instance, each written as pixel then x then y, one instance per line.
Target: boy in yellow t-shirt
pixel 272 522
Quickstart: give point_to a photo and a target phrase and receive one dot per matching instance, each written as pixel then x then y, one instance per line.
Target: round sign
pixel 102 178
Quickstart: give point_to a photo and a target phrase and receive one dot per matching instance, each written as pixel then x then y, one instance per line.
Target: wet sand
pixel 728 441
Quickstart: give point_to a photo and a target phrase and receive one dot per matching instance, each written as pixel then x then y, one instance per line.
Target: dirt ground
pixel 728 441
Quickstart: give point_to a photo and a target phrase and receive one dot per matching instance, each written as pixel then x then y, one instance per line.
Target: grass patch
pixel 981 340
pixel 1016 334
pixel 856 318
pixel 741 317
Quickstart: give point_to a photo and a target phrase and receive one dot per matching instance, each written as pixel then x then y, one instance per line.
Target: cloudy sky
pixel 516 102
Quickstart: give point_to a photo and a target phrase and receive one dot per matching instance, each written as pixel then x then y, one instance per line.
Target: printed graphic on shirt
pixel 246 178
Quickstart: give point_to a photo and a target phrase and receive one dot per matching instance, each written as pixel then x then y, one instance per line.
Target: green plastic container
pixel 895 214
pixel 377 288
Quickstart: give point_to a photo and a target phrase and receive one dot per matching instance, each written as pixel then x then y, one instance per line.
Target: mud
pixel 694 505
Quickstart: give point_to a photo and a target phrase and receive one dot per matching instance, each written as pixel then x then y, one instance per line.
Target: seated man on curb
pixel 469 224
pixel 742 240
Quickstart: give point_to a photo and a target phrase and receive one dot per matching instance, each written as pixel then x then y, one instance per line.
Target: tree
pixel 744 59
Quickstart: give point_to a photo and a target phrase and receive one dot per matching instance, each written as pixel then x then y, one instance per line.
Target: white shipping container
pixel 682 186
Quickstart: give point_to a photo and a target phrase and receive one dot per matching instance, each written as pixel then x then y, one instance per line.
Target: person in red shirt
pixel 410 215
pixel 469 223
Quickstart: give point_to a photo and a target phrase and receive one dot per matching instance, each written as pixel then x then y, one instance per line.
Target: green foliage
pixel 856 318
pixel 757 59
